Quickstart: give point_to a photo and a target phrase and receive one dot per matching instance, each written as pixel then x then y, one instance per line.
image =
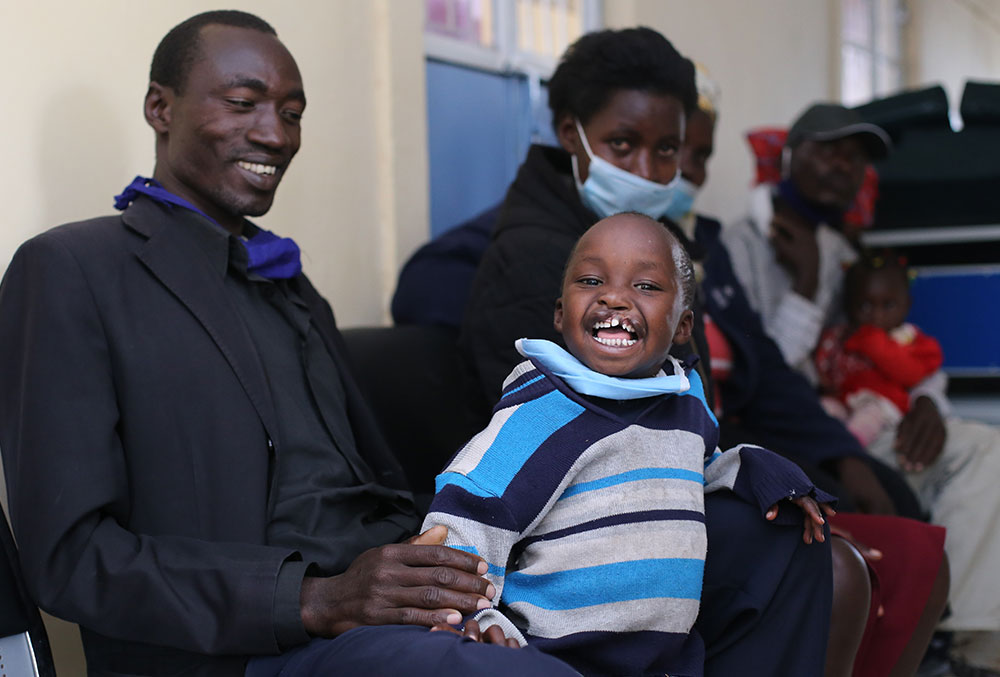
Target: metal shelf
pixel 929 236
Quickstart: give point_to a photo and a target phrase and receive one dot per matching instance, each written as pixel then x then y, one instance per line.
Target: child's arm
pixel 763 478
pixel 906 364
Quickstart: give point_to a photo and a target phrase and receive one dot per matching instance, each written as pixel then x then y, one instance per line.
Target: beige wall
pixel 356 195
pixel 951 41
pixel 770 58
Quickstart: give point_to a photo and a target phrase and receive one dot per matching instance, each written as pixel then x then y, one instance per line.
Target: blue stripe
pixel 523 385
pixel 607 583
pixel 697 390
pixel 526 429
pixel 715 455
pixel 634 476
pixel 462 482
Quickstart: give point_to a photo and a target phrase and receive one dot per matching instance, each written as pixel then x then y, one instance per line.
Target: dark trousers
pixel 767 596
pixel 765 611
pixel 374 651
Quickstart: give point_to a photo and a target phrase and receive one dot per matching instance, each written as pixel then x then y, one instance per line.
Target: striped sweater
pixel 594 527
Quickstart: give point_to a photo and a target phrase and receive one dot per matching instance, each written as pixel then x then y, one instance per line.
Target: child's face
pixel 883 300
pixel 616 313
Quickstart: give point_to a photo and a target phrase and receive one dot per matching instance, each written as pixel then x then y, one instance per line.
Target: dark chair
pixel 24 644
pixel 412 377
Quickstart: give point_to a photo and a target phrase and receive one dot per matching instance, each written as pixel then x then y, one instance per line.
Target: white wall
pixel 356 196
pixel 951 41
pixel 770 58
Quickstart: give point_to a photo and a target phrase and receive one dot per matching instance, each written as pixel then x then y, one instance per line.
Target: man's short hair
pixel 178 50
pixel 600 64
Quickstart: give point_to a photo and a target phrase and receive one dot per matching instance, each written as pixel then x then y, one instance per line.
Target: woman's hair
pixel 599 64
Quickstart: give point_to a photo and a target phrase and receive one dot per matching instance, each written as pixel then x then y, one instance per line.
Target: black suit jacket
pixel 134 419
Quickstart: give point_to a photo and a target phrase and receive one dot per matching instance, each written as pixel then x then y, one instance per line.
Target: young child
pixel 585 493
pixel 870 364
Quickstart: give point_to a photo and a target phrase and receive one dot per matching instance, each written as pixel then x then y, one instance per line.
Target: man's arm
pixel 792 319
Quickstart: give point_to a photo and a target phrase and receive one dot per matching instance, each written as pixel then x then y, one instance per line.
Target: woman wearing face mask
pixel 619 101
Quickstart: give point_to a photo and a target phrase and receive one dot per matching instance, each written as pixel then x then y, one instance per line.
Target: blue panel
pixel 959 310
pixel 479 127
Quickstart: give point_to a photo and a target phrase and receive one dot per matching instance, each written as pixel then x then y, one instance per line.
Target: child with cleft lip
pixel 585 493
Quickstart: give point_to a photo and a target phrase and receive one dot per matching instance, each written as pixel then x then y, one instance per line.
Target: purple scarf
pixel 268 255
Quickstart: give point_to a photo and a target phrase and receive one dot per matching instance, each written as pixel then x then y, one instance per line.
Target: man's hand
pixel 795 248
pixel 863 486
pixel 813 522
pixel 419 582
pixel 493 634
pixel 920 436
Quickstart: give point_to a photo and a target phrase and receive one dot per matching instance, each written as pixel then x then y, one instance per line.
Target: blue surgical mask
pixel 683 202
pixel 610 190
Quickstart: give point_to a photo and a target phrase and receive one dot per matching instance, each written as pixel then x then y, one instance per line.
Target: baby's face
pixel 616 313
pixel 883 300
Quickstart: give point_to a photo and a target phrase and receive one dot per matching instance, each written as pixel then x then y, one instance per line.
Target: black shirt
pixel 324 500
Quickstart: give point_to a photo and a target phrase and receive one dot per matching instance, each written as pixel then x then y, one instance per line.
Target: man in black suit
pixel 193 477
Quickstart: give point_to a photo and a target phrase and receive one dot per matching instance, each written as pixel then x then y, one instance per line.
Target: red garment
pixel 872 359
pixel 721 358
pixel 902 582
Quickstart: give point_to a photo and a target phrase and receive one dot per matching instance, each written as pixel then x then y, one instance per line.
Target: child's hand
pixel 493 635
pixel 813 523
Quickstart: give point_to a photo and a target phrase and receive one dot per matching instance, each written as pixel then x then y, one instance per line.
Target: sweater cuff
pixel 766 478
pixel 287 609
pixel 796 325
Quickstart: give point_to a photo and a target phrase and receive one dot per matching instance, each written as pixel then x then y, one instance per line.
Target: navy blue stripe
pixel 615 520
pixel 541 475
pixel 454 500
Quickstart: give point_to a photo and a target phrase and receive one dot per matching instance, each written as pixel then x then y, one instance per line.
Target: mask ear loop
pixel 583 137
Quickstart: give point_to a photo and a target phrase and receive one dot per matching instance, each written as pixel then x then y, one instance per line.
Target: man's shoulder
pixel 80 239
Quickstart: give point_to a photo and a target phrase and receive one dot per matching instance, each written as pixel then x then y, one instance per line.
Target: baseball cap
pixel 831 121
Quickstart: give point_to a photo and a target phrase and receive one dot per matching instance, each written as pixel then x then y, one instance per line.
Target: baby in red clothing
pixel 867 367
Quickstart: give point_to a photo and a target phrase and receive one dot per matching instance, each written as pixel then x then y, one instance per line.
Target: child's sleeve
pixel 762 478
pixel 469 500
pixel 905 364
pixel 478 522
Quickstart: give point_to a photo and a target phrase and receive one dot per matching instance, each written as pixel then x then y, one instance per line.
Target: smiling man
pixel 193 477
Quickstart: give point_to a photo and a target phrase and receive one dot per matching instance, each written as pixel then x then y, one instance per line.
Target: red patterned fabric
pixel 871 359
pixel 766 144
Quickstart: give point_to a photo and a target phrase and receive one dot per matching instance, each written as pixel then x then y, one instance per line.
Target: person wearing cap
pixel 789 252
pixel 790 255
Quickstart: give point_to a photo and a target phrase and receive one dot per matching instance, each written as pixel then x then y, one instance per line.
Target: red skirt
pixel 902 582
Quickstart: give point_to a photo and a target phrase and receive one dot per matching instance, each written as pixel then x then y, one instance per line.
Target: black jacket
pixel 134 425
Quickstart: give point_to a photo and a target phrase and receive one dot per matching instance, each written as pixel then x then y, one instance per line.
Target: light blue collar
pixel 586 381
